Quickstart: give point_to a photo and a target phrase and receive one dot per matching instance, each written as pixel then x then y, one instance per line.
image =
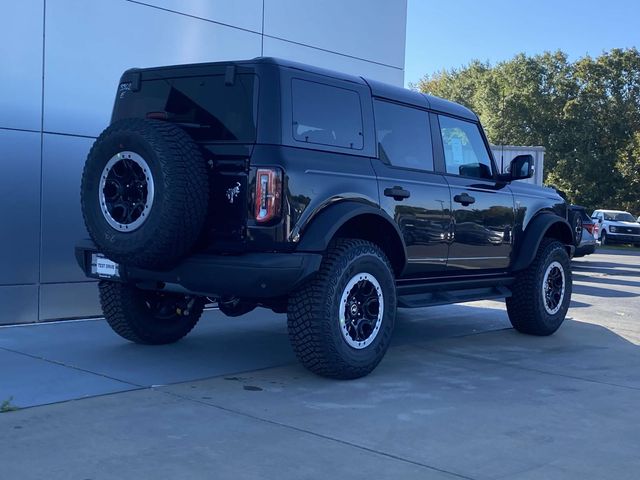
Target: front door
pixel 482 207
pixel 410 191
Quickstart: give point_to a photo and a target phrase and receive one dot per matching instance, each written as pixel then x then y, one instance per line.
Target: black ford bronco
pixel 329 197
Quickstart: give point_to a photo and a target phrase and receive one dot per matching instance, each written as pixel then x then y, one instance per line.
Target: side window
pixel 404 138
pixel 326 115
pixel 464 150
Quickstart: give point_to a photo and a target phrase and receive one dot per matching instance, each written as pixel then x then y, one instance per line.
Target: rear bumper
pixel 250 275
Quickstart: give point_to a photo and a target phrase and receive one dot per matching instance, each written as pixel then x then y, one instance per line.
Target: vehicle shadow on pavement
pixel 584 277
pixel 590 290
pixel 607 268
pixel 577 304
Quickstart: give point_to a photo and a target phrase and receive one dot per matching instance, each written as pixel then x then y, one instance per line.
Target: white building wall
pixel 60 62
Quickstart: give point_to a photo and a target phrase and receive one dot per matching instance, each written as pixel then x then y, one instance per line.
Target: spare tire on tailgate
pixel 145 193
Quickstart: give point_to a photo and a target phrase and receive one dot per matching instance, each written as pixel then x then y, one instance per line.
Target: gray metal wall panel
pixel 239 13
pixel 62 225
pixel 20 206
pixel 320 58
pixel 90 44
pixel 373 30
pixel 69 300
pixel 21 64
pixel 19 304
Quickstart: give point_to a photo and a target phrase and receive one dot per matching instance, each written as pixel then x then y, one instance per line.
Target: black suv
pixel 330 197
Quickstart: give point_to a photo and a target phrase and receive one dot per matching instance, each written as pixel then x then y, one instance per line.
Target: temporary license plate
pixel 103 267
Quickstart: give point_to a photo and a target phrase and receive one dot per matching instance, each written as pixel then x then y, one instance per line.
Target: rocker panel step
pixel 429 299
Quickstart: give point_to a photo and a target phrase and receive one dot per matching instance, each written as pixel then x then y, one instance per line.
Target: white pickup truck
pixel 616 226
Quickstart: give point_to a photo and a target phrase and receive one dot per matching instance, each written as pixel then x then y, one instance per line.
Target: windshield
pixel 619 217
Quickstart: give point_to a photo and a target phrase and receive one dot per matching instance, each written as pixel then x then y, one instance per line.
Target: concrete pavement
pixel 459 395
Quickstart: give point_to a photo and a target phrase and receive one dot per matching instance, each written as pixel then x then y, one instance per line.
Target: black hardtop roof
pixel 378 89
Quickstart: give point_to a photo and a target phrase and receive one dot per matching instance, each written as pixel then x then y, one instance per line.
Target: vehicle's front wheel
pixel 148 317
pixel 340 323
pixel 541 294
pixel 603 237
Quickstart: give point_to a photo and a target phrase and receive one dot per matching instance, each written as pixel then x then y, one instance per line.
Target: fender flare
pixel 321 228
pixel 533 234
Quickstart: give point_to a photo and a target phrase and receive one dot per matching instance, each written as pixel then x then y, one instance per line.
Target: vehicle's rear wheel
pixel 603 237
pixel 148 317
pixel 340 323
pixel 541 294
pixel 144 193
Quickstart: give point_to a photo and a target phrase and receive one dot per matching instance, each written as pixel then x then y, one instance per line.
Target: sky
pixel 442 34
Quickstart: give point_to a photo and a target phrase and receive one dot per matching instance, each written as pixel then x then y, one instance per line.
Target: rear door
pixel 482 207
pixel 410 191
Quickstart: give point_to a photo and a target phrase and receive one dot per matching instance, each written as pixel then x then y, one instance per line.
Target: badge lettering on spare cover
pixel 124 88
pixel 233 192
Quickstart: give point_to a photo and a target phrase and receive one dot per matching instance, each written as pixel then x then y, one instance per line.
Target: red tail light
pixel 590 227
pixel 268 203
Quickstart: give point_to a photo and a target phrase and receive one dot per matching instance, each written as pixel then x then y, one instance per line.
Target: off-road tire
pixel 526 307
pixel 177 215
pixel 603 238
pixel 313 313
pixel 125 309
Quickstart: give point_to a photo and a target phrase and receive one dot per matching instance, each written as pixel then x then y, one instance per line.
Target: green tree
pixel 585 113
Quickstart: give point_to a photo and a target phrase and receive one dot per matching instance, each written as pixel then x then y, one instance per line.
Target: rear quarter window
pixel 326 115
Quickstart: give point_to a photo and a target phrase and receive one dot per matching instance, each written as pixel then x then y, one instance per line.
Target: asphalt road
pixel 459 395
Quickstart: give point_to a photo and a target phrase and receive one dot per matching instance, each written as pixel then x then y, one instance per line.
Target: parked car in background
pixel 616 226
pixel 584 229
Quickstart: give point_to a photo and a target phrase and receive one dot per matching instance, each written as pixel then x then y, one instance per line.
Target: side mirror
pixel 600 220
pixel 521 167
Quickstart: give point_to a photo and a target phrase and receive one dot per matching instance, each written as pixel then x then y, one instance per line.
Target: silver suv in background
pixel 584 228
pixel 616 226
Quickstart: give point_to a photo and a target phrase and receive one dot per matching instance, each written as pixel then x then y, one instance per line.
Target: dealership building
pixel 61 61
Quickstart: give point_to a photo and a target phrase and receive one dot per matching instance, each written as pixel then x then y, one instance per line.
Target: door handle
pixel 398 193
pixel 464 198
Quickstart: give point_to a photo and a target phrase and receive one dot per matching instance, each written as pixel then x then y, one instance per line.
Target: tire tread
pixel 308 315
pixel 183 210
pixel 122 312
pixel 521 305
